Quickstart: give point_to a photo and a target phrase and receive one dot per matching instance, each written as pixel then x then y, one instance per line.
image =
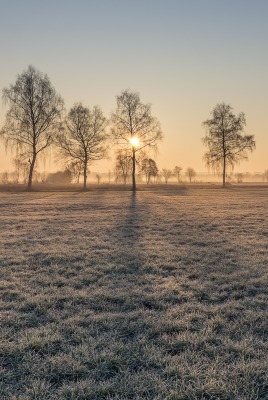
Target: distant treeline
pixel 67 177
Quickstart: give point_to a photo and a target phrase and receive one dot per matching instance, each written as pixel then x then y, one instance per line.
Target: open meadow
pixel 158 295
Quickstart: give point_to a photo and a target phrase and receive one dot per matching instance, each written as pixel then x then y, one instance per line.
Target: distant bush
pixel 60 177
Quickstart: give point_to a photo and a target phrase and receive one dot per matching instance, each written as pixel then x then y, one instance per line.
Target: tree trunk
pixel 30 178
pixel 224 172
pixel 85 176
pixel 133 170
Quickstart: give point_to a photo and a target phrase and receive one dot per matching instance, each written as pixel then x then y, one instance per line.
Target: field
pixel 161 295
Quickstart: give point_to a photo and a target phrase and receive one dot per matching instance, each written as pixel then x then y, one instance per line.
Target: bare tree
pixel 167 173
pixel 19 164
pixel 123 164
pixel 239 177
pixel 116 176
pixel 33 116
pixel 190 173
pixel 76 168
pixel 227 145
pixel 177 172
pixel 98 177
pixel 134 128
pixel 149 169
pixel 83 136
pixel 25 171
pixel 265 175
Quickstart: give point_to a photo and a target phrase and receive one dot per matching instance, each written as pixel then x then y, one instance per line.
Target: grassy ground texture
pixel 109 295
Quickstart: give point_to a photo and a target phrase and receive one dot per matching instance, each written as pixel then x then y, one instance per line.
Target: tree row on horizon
pixel 35 120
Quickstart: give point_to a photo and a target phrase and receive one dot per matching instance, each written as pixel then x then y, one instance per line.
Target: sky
pixel 182 56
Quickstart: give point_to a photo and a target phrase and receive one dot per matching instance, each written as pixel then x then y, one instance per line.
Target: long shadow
pixel 129 232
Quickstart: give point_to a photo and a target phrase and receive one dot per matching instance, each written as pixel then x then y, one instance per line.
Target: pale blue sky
pixel 183 57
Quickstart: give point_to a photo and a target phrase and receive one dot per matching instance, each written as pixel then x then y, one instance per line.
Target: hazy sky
pixel 182 56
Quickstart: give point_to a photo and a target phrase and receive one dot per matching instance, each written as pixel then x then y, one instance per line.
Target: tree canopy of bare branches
pixel 21 168
pixel 149 169
pixel 133 126
pixel 227 144
pixel 83 136
pixel 177 172
pixel 190 173
pixel 167 173
pixel 76 168
pixel 123 164
pixel 33 116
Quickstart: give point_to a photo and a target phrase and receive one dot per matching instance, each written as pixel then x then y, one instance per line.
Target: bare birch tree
pixel 134 128
pixel 177 172
pixel 190 173
pixel 167 173
pixel 33 116
pixel 83 136
pixel 76 168
pixel 225 139
pixel 123 164
pixel 149 169
pixel 98 178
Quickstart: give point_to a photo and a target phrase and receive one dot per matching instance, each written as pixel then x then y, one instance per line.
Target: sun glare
pixel 134 141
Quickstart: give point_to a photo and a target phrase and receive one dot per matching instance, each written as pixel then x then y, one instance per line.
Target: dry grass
pixel 162 295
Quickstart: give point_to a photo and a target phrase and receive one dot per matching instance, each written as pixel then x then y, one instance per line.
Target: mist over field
pixel 155 294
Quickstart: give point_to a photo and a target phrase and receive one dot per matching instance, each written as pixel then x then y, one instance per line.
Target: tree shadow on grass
pixel 130 228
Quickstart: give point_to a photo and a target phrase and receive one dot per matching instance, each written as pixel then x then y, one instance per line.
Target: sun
pixel 134 141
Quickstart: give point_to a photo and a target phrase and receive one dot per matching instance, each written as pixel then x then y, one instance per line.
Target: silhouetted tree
pixel 239 177
pixel 21 168
pixel 226 143
pixel 98 177
pixel 25 171
pixel 123 163
pixel 83 136
pixel 190 173
pixel 265 175
pixel 149 169
pixel 177 172
pixel 33 116
pixel 167 173
pixel 134 128
pixel 116 176
pixel 76 168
